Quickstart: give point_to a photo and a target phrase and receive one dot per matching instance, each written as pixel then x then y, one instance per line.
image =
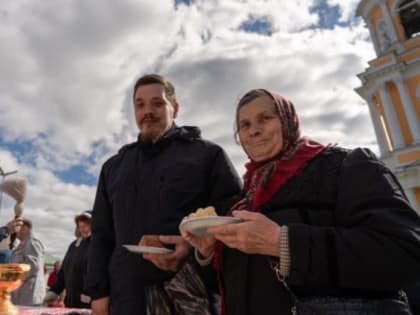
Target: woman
pixel 73 270
pixel 52 278
pixel 325 224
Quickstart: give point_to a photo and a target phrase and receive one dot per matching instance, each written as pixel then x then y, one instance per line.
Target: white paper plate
pixel 147 249
pixel 198 226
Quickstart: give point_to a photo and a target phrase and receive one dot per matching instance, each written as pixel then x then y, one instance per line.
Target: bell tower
pixel 391 87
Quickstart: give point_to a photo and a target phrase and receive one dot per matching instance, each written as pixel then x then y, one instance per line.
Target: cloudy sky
pixel 67 70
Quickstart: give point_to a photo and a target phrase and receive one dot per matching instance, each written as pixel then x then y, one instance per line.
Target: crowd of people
pixel 322 229
pixel 64 285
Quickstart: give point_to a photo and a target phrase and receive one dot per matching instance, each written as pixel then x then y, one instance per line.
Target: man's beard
pixel 147 138
pixel 151 137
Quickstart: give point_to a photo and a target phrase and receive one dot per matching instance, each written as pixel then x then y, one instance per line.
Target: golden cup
pixel 11 278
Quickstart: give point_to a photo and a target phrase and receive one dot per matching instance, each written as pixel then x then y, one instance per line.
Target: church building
pixel 391 87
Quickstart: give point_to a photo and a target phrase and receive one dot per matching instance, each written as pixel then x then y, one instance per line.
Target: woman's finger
pixel 246 215
pixel 224 229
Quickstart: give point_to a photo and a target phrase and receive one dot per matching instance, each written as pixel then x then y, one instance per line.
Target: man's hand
pixel 14 225
pixel 172 261
pixel 101 306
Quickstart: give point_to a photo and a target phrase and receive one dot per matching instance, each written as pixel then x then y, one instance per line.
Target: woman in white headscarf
pixel 73 270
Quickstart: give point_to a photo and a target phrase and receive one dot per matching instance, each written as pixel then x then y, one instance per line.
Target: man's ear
pixel 176 108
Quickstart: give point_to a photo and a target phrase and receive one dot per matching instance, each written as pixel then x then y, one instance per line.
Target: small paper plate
pixel 147 249
pixel 198 226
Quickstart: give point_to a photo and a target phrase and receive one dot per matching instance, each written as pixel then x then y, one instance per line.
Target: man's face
pixel 153 111
pixel 23 233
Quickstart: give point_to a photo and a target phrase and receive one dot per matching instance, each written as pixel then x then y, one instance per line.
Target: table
pixel 27 310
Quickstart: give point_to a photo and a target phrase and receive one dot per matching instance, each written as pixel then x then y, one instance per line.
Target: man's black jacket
pixel 148 189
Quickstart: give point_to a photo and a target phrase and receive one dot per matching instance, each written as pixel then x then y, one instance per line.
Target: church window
pixel 409 12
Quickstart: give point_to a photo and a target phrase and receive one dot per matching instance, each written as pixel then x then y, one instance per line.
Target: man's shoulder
pixel 191 135
pixel 36 241
pixel 207 143
pixel 120 154
pixel 127 147
pixel 206 147
pixel 36 244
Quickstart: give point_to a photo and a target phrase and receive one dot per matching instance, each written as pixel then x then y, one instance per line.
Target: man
pixel 29 251
pixel 147 188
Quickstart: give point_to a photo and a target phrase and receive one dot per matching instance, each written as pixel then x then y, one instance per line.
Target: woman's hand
pixel 204 244
pixel 257 235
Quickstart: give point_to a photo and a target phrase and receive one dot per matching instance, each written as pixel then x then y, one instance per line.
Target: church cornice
pixel 365 6
pixel 373 74
pixel 372 77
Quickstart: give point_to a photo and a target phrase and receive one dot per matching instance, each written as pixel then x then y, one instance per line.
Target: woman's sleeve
pixel 375 242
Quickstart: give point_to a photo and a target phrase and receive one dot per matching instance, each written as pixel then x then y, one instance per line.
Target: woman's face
pixel 57 265
pixel 260 131
pixel 84 229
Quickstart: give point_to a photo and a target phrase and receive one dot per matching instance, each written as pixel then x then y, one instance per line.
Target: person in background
pixel 323 228
pixel 72 274
pixel 52 277
pixel 29 251
pixel 147 188
pixel 10 228
pixel 5 256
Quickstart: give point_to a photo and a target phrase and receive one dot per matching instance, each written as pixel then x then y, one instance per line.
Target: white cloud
pixel 347 8
pixel 68 70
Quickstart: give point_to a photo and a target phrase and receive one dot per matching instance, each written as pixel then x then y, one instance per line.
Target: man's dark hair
pixel 157 79
pixel 27 222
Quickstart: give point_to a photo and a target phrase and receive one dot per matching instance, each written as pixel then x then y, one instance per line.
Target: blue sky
pixel 68 70
pixel 328 17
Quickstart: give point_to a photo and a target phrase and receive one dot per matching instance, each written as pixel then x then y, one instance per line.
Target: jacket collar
pixel 184 133
pixel 175 132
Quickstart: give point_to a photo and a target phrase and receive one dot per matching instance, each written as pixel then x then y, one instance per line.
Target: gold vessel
pixel 11 278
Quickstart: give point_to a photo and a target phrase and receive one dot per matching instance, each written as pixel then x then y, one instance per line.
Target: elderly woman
pixel 321 225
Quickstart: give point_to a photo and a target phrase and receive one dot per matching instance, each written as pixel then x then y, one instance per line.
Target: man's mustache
pixel 149 117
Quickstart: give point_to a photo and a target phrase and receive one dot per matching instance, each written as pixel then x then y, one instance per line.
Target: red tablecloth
pixel 24 310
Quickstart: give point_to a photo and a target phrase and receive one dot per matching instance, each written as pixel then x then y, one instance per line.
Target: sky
pixel 68 67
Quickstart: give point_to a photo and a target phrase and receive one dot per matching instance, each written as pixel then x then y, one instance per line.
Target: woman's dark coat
pixel 352 233
pixel 72 274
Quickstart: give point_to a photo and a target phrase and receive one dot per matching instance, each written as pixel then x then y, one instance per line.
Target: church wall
pixel 409 157
pixel 418 195
pixel 413 85
pixel 399 110
pixel 382 112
